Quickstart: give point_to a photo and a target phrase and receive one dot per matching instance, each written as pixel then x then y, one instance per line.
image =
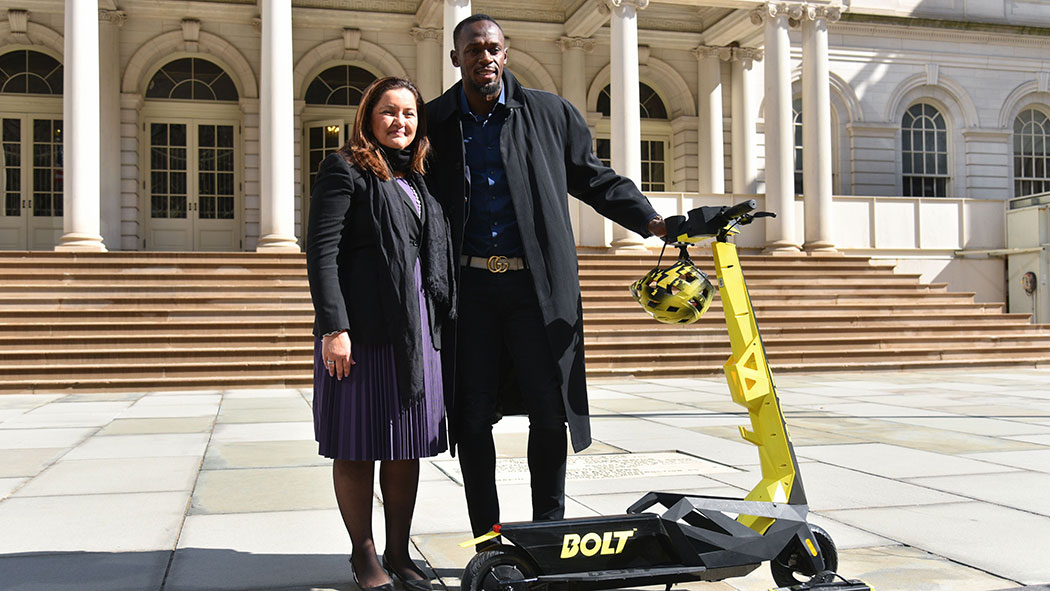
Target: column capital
pixel 747 54
pixel 705 51
pixel 113 17
pixel 420 34
pixel 459 3
pixel 797 11
pixel 636 4
pixel 817 12
pixel 584 43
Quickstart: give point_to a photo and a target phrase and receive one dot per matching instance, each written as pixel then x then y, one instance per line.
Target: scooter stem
pixel 751 385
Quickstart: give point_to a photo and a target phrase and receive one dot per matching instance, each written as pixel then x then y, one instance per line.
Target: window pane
pixel 206 135
pixel 178 207
pixel 206 159
pixel 207 208
pixel 159 206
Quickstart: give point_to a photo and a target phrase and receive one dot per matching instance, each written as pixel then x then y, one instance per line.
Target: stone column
pixel 743 116
pixel 428 62
pixel 588 226
pixel 709 109
pixel 816 127
pixel 80 114
pixel 110 22
pixel 276 126
pixel 574 51
pixel 780 191
pixel 455 11
pixel 626 133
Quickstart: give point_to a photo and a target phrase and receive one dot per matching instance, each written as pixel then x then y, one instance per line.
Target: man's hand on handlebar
pixel 657 227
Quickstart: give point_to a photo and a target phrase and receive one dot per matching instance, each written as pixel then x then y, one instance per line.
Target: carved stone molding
pixel 113 17
pixel 257 24
pixel 584 43
pixel 420 34
pixel 191 34
pixel 351 39
pixel 18 20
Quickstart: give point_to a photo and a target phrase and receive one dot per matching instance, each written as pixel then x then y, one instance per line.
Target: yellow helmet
pixel 678 295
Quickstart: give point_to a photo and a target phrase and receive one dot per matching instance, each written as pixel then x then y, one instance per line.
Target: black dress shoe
pixel 384 587
pixel 409 584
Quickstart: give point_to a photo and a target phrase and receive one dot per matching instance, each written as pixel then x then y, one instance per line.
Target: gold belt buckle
pixel 497 264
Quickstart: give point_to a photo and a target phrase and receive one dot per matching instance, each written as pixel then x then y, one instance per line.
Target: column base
pixel 79 242
pixel 781 249
pixel 628 245
pixel 277 243
pixel 821 247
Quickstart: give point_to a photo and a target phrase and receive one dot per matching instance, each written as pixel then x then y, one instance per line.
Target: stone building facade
pixel 897 128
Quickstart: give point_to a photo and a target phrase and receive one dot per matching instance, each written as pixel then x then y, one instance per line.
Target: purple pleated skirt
pixel 361 418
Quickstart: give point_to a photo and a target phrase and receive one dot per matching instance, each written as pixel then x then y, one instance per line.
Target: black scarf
pixel 400 161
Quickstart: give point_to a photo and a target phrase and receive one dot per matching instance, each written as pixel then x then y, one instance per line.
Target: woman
pixel 378 259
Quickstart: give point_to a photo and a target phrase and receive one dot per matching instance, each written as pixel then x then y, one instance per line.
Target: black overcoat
pixel 547 154
pixel 362 244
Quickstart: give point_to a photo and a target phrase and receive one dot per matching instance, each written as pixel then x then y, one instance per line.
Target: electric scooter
pixel 693 537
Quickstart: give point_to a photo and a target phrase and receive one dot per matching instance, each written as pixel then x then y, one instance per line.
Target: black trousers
pixel 500 330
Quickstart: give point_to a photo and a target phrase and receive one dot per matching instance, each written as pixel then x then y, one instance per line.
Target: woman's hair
pixel 362 148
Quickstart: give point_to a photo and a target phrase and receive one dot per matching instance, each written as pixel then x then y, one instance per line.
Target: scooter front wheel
pixel 789 568
pixel 503 568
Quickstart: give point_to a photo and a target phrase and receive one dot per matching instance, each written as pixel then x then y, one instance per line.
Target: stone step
pixel 652 371
pixel 806 307
pixel 820 358
pixel 173 327
pixel 776 344
pixel 791 319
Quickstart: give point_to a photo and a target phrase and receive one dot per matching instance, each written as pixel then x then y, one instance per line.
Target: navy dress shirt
pixel 491 227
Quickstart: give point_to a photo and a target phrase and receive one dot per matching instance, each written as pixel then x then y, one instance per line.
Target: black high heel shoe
pixel 384 587
pixel 409 584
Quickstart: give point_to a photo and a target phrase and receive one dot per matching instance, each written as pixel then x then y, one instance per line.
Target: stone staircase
pixel 815 313
pixel 138 320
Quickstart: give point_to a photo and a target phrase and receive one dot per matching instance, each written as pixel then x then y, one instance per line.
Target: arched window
pixel 654 150
pixel 1031 153
pixel 192 78
pixel 30 72
pixel 796 108
pixel 650 105
pixel 339 85
pixel 924 152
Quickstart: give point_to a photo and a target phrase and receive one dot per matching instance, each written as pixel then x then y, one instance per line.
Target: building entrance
pixel 192 185
pixel 31 178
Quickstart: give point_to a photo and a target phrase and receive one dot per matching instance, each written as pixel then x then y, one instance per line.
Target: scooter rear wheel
pixel 790 567
pixel 498 569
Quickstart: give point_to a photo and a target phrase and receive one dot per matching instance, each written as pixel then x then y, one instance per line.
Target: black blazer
pixel 363 241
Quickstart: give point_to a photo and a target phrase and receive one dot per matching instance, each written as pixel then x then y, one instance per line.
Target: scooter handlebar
pixel 705 221
pixel 739 209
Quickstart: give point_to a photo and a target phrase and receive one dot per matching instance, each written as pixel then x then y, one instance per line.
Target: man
pixel 505 157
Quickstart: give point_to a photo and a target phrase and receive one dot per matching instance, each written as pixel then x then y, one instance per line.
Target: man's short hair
pixel 474 18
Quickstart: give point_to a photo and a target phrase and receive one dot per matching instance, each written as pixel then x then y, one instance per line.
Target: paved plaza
pixel 926 480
